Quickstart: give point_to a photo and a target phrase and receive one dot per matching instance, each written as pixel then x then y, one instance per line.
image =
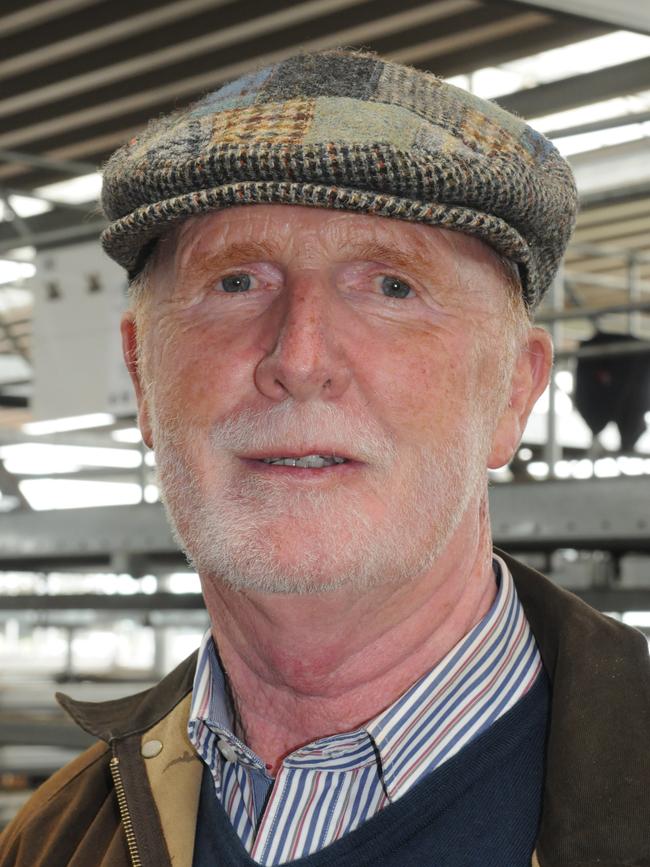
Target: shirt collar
pixel 389 736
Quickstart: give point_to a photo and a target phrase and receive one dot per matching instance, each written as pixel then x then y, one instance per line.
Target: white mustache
pixel 289 424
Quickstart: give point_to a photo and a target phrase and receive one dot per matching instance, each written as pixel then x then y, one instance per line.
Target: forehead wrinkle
pixel 425 243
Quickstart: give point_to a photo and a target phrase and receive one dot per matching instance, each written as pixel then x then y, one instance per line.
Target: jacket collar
pixel 133 714
pixel 597 772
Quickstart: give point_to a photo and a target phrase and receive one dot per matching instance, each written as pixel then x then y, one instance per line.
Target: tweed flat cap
pixel 347 129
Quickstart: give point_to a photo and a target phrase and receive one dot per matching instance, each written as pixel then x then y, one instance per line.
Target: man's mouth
pixel 316 462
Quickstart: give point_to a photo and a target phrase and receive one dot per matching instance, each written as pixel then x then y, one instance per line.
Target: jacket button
pixel 150 749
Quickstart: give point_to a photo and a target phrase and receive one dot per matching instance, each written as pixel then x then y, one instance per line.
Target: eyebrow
pixel 194 263
pixel 248 251
pixel 407 258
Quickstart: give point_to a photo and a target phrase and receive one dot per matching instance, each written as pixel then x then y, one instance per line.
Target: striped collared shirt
pixel 329 787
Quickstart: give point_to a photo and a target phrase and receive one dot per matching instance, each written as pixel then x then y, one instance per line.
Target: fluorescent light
pixel 631 466
pixel 23 206
pixel 127 435
pixel 563 469
pixel 563 403
pixel 38 467
pixel 525 454
pixel 606 468
pixel 618 107
pixel 564 380
pixel 640 619
pixel 75 422
pixel 76 191
pixel 500 474
pixel 22 254
pixel 184 582
pixel 13 298
pixel 43 459
pixel 538 469
pixel 11 271
pixel 46 494
pixel 591 141
pixel 27 206
pixel 148 584
pixel 588 55
pixel 151 494
pixel 582 469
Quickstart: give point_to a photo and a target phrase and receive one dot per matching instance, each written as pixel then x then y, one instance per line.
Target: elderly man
pixel 334 261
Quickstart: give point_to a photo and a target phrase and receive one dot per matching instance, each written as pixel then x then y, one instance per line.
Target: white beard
pixel 259 533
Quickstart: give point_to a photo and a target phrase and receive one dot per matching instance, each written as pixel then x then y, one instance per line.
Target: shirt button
pixel 150 749
pixel 227 751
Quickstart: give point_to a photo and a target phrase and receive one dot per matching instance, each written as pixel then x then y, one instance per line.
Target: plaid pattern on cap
pixel 346 129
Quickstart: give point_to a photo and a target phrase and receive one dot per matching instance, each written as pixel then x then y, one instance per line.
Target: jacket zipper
pixel 124 812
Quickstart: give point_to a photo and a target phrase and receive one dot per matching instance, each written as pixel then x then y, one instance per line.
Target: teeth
pixel 308 462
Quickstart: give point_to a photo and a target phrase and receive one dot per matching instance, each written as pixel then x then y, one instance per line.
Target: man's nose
pixel 305 360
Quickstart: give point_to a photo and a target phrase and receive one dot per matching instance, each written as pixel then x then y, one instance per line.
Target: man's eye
pixel 235 283
pixel 393 287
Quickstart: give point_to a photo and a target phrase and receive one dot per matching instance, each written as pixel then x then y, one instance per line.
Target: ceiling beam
pixel 468 39
pixel 128 69
pixel 40 14
pixel 620 80
pixel 624 14
pixel 66 166
pixel 598 125
pixel 191 86
pixel 618 170
pixel 122 27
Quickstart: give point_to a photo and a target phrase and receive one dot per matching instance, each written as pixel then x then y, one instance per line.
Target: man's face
pixel 278 332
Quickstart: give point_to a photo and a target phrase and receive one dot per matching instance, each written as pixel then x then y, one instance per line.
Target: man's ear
pixel 129 331
pixel 530 378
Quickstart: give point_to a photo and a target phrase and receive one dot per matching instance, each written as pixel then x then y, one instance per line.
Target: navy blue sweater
pixel 481 808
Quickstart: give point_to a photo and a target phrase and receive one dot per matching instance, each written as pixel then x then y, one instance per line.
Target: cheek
pixel 424 383
pixel 200 372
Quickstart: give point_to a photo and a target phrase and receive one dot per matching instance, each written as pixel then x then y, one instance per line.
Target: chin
pixel 262 539
pixel 338 549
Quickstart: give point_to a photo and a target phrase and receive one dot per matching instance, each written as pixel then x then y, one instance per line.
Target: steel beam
pixel 68 167
pixel 147 61
pixel 605 350
pixel 547 316
pixel 603 281
pixel 624 14
pixel 46 732
pixel 67 235
pixel 598 250
pixel 39 13
pixel 613 172
pixel 102 602
pixel 592 514
pixel 598 125
pixel 608 514
pixel 579 90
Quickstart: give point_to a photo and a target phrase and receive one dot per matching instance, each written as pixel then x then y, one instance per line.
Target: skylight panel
pixel 75 191
pixel 605 110
pixel 589 141
pixel 45 494
pixel 590 55
pixel 11 271
pixel 24 206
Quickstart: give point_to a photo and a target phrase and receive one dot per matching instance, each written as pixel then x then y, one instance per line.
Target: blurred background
pixel 95 600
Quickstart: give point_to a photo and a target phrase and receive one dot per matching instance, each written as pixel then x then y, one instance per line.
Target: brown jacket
pixel 113 807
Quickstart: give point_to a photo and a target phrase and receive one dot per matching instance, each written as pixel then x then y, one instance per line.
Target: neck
pixel 306 666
